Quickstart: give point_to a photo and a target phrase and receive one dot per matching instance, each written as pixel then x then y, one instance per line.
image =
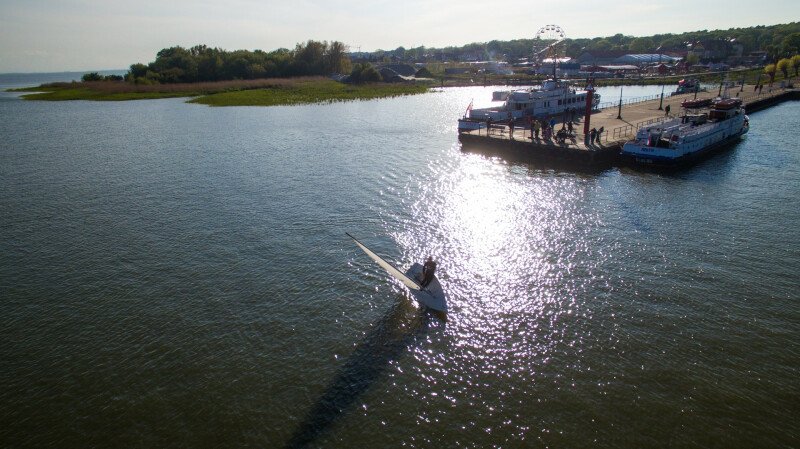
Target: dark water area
pixel 173 275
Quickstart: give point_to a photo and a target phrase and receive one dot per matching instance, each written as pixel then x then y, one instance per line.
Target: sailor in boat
pixel 428 269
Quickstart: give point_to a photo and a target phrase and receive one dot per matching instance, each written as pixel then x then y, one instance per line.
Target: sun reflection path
pixel 516 259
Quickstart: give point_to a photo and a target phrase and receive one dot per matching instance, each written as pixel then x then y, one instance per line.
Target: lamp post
pixel 660 103
pixel 619 111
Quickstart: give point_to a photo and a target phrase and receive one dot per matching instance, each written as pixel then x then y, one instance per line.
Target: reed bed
pixel 202 87
pixel 261 92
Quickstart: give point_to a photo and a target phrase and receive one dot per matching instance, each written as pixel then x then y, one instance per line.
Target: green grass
pixel 267 93
pixel 310 92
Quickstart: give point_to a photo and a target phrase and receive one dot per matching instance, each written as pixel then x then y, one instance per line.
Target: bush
pixel 93 76
pixel 364 73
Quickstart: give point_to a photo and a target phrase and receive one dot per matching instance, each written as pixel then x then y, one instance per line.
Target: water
pixel 173 275
pixel 17 80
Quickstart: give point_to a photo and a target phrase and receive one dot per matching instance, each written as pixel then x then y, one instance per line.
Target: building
pixel 600 57
pixel 645 59
pixel 563 69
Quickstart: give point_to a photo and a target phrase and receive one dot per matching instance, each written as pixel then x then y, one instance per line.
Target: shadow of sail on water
pixel 389 338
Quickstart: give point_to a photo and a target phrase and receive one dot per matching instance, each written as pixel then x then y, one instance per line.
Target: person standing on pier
pixel 511 128
pixel 537 125
pixel 592 135
pixel 529 120
pixel 666 111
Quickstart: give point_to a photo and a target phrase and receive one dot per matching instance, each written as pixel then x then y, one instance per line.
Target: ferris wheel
pixel 551 33
pixel 546 40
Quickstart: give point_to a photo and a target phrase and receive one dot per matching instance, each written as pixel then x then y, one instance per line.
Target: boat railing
pixel 644 123
pixel 626 130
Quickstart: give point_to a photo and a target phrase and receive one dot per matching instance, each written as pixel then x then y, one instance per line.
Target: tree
pixel 796 64
pixel 176 65
pixel 617 40
pixel 784 65
pixel 791 44
pixel 138 70
pixel 601 45
pixel 93 76
pixel 309 58
pixel 364 73
pixel 641 45
pixel 672 43
pixel 770 70
pixel 336 60
pixel 209 66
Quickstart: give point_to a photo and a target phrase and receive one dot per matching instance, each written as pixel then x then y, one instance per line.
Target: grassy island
pixel 265 92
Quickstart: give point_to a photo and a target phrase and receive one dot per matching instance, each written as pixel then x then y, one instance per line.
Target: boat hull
pixel 642 159
pixel 431 296
pixel 466 124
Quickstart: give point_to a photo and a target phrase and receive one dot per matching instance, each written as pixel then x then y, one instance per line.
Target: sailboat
pixel 431 296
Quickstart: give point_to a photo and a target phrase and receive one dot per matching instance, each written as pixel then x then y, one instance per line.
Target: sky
pixel 83 35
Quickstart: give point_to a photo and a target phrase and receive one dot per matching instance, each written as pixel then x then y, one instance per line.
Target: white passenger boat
pixel 553 97
pixel 689 138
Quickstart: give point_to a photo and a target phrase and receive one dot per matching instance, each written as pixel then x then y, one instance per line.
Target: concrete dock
pixel 603 154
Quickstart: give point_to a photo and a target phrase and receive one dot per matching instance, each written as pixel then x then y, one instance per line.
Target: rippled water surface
pixel 178 275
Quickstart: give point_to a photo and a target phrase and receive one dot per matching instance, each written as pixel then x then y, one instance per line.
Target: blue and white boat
pixel 686 139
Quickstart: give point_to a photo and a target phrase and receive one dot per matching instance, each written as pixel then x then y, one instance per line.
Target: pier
pixel 620 124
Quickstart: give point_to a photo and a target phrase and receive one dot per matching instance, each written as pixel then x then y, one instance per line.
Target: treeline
pixel 779 41
pixel 201 63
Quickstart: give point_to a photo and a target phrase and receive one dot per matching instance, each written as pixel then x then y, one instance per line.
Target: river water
pixel 174 275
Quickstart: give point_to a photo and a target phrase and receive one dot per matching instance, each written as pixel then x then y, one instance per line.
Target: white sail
pixel 387 266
